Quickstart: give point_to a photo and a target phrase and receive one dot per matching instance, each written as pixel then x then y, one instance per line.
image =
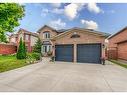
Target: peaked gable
pixel 46 26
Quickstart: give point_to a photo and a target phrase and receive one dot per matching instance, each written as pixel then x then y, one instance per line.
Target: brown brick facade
pixel 28 37
pixel 122 51
pixel 52 33
pixel 120 36
pixel 118 41
pixel 7 49
pixel 85 37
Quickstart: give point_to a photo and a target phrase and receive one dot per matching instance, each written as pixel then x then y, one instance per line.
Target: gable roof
pixel 125 28
pixel 28 32
pixel 62 30
pixel 46 26
pixel 13 35
pixel 83 29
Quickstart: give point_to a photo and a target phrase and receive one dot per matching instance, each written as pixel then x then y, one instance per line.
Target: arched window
pixel 46 35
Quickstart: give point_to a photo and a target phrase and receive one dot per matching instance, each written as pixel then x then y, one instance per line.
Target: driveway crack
pixel 106 81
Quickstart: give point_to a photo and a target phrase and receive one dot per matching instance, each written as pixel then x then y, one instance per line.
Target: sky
pixel 103 17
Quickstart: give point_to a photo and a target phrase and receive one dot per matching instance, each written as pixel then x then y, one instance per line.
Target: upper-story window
pixel 20 36
pixel 46 34
pixel 27 37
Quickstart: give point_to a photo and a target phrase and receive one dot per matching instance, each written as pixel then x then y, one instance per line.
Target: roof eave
pixel 46 26
pixel 101 35
pixel 118 32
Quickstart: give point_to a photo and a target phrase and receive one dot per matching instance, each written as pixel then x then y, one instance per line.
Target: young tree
pixel 25 51
pixel 10 14
pixel 37 46
pixel 21 53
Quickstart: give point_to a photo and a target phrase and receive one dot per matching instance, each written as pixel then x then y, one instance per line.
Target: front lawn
pixel 10 62
pixel 119 63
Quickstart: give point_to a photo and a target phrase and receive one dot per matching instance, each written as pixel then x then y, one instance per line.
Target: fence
pixel 112 53
pixel 6 49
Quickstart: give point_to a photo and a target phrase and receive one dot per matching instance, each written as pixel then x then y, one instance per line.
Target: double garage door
pixel 86 53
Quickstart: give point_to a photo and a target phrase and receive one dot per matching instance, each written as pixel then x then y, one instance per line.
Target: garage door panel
pixel 64 53
pixel 88 53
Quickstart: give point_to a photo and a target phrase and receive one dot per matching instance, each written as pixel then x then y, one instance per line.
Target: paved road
pixel 46 76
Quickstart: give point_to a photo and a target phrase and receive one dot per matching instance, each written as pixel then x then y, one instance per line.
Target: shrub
pixel 25 50
pixel 29 55
pixel 49 53
pixel 37 46
pixel 36 56
pixel 30 59
pixel 21 54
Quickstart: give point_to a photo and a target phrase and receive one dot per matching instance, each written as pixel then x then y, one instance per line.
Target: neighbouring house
pixel 73 45
pixel 117 45
pixel 29 38
pixel 7 36
pixel 13 38
pixel 8 48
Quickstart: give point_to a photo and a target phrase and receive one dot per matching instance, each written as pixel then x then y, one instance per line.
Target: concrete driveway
pixel 46 76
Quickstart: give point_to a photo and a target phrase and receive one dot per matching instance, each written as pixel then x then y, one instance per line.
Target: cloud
pixel 57 24
pixel 71 10
pixel 81 6
pixel 92 7
pixel 90 24
pixel 44 12
pixel 56 5
pixel 57 11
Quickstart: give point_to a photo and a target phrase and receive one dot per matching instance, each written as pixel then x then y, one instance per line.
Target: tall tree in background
pixel 37 46
pixel 10 14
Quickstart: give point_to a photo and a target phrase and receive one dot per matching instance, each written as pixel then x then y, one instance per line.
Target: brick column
pixel 75 53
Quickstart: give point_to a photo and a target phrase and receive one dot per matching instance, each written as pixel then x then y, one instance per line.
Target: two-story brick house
pixel 28 37
pixel 73 45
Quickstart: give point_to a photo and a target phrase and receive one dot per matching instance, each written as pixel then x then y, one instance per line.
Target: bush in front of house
pixel 37 46
pixel 49 53
pixel 36 56
pixel 21 53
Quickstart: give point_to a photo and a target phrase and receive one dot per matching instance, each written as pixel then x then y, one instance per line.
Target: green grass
pixel 10 62
pixel 119 63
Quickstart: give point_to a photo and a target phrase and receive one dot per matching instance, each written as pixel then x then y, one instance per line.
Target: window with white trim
pixel 46 35
pixel 46 48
